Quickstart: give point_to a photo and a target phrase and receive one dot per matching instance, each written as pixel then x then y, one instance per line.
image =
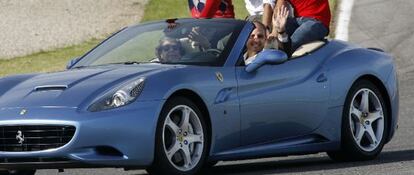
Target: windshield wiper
pixel 126 63
pixel 79 67
pixel 131 62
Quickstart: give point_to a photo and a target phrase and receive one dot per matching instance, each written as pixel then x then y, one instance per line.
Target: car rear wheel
pixel 18 172
pixel 181 139
pixel 364 123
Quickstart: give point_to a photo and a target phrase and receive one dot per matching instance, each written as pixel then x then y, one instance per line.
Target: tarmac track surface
pixel 386 24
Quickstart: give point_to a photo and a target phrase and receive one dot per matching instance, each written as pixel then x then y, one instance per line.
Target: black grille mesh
pixel 137 90
pixel 32 160
pixel 36 137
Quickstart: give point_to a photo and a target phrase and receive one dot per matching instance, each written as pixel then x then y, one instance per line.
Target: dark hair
pixel 258 24
pixel 158 49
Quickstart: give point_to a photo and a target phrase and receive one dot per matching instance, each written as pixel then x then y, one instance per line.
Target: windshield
pixel 196 42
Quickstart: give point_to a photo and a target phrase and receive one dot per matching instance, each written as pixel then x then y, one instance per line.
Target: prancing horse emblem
pixel 20 137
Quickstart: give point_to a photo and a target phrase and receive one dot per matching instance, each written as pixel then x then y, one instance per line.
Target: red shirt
pixel 317 9
pixel 211 8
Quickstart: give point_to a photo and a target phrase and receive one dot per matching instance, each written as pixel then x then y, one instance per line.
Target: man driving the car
pixel 169 50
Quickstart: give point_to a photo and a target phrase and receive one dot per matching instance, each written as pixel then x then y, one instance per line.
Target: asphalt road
pixel 386 24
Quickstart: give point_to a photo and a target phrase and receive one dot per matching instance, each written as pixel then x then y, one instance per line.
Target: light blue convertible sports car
pixel 174 96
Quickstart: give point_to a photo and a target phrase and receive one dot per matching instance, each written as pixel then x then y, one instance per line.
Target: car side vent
pixel 51 88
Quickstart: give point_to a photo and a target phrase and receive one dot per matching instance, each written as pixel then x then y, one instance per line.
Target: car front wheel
pixel 364 123
pixel 181 139
pixel 18 172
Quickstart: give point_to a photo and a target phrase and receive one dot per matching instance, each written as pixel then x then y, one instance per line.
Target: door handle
pixel 322 78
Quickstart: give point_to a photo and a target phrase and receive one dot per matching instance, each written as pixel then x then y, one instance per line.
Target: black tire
pixel 350 150
pixel 208 166
pixel 18 172
pixel 162 164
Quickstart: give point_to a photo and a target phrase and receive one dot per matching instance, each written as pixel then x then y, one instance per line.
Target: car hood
pixel 69 88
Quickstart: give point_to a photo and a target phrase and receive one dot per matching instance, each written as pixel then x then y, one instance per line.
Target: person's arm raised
pixel 210 8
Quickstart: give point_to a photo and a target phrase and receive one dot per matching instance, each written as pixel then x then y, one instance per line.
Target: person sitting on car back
pixel 311 21
pixel 260 10
pixel 169 50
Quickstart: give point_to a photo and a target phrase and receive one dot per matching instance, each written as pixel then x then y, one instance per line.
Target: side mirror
pixel 268 56
pixel 72 62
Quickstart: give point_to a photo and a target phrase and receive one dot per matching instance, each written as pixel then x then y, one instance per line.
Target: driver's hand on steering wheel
pixel 198 40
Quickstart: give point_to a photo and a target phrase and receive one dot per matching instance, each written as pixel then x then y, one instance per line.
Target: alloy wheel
pixel 366 119
pixel 183 138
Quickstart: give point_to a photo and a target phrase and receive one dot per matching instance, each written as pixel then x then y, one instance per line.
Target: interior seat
pixel 307 48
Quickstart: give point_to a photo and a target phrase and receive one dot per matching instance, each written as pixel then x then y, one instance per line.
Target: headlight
pixel 121 97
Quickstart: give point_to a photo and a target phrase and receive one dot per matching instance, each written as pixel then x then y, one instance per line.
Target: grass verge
pixel 179 9
pixel 45 61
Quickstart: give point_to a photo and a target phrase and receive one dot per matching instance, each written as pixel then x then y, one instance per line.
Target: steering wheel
pixel 215 52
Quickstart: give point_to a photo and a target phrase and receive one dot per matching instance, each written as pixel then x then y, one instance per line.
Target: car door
pixel 281 101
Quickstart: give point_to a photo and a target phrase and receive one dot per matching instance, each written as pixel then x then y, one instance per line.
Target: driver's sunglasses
pixel 166 48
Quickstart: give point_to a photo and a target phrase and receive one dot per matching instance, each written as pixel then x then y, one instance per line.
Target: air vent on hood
pixel 51 88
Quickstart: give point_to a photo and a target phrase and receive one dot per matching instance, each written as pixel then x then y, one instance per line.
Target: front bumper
pixel 122 137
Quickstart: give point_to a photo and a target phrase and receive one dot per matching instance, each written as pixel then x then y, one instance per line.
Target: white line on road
pixel 344 17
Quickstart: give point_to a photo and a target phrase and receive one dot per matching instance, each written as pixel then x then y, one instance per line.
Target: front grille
pixel 26 138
